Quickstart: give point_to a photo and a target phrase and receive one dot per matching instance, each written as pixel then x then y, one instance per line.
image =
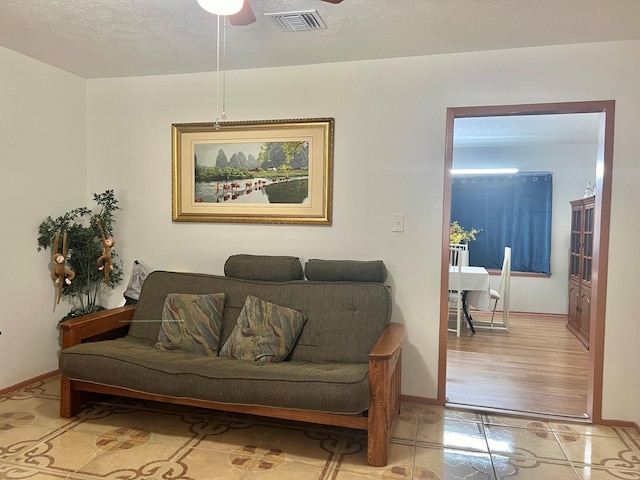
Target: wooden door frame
pixel 604 165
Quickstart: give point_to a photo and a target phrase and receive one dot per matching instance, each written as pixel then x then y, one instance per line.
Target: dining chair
pixel 503 293
pixel 459 254
pixel 455 291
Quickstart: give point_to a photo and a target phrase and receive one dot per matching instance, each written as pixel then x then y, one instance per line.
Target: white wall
pixel 572 166
pixel 43 158
pixel 389 156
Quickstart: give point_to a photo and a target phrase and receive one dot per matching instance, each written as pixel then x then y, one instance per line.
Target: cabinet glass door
pixel 576 233
pixel 587 244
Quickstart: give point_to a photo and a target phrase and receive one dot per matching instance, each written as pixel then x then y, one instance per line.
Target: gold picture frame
pixel 272 171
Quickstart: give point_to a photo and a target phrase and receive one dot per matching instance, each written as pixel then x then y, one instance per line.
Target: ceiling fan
pixel 246 16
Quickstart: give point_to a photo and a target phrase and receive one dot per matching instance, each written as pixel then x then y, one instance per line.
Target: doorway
pixel 603 165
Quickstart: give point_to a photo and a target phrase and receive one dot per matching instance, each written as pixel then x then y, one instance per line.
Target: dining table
pixel 475 286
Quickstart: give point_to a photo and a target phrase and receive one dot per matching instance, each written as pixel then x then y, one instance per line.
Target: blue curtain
pixel 512 211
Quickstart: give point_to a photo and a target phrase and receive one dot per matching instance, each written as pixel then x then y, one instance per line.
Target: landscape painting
pixel 276 171
pixel 256 172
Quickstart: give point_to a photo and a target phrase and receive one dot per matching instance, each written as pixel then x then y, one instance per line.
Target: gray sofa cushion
pixel 264 267
pixel 134 365
pixel 344 319
pixel 345 270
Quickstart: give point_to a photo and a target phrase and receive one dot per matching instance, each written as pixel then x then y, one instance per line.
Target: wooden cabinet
pixel 580 263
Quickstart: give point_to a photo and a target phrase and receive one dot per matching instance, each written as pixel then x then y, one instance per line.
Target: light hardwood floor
pixel 538 367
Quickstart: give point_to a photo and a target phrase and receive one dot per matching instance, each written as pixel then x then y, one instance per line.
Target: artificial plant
pixel 457 233
pixel 85 246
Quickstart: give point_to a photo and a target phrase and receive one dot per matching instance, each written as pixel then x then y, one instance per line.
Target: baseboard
pixel 422 400
pixel 620 423
pixel 403 398
pixel 560 316
pixel 434 401
pixel 26 383
pixel 554 316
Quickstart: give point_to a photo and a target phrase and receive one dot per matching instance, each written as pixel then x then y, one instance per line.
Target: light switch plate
pixel 398 222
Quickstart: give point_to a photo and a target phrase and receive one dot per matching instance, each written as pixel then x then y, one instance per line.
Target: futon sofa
pixel 343 367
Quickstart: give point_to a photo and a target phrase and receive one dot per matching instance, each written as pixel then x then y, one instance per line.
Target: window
pixel 512 211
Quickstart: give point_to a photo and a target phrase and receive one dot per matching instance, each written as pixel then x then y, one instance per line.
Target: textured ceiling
pixel 113 38
pixel 527 130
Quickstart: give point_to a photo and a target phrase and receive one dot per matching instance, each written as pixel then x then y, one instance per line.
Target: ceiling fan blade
pixel 333 1
pixel 244 17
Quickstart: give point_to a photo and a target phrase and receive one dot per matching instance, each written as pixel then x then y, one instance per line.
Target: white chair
pixel 503 293
pixel 459 254
pixel 455 292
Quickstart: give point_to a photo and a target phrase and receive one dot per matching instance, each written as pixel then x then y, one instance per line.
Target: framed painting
pixel 273 171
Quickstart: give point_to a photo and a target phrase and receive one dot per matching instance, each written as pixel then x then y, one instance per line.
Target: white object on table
pixel 474 281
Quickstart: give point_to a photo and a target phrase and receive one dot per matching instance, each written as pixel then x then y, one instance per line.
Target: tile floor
pixel 127 439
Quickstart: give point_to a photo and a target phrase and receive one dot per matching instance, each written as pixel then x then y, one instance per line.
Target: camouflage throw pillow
pixel 264 332
pixel 191 323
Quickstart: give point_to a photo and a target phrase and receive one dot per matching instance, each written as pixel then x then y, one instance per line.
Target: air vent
pixel 297 21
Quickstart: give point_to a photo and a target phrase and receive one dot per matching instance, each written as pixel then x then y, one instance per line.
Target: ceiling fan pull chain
pixel 221 71
pixel 224 70
pixel 218 71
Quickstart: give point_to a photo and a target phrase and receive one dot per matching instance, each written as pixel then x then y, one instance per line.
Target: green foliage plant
pixel 85 247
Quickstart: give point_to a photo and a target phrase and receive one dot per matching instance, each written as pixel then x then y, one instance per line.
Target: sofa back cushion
pixel 344 319
pixel 345 270
pixel 271 268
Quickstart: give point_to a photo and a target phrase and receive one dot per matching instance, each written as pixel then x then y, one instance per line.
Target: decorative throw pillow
pixel 264 332
pixel 191 323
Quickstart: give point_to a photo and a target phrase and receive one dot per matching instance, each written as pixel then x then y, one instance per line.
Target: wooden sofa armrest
pixel 96 325
pixel 385 377
pixel 389 343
